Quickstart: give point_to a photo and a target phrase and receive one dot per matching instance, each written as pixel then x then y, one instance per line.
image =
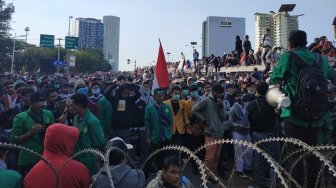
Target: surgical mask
pixel 83 90
pixel 200 89
pixel 57 86
pixel 206 92
pixel 194 94
pixel 185 92
pixel 95 91
pixel 176 97
pixel 147 92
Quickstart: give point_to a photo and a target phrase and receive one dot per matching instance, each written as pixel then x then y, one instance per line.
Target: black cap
pixel 38 97
pixel 27 90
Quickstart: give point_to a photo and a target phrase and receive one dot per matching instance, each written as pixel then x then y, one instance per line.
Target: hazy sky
pixel 175 22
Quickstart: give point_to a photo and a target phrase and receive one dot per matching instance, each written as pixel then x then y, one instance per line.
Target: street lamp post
pixel 168 53
pixel 13 54
pixel 58 53
pixel 69 25
pixel 129 62
pixel 27 30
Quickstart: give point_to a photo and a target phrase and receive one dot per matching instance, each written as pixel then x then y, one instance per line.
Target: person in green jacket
pixel 105 115
pixel 91 134
pixel 287 70
pixel 158 123
pixel 8 178
pixel 29 129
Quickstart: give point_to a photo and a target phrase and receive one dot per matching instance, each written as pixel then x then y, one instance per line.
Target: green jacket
pixel 10 179
pixel 22 124
pixel 152 122
pixel 288 70
pixel 91 135
pixel 105 115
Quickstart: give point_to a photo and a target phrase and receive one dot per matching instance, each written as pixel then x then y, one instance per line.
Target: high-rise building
pixel 111 40
pixel 90 33
pixel 280 24
pixel 219 34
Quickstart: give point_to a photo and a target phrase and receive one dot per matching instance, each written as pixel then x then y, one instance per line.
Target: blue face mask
pixel 147 92
pixel 185 92
pixel 83 90
pixel 176 97
pixel 194 94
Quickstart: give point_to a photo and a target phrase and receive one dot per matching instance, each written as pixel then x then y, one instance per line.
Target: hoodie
pixel 122 176
pixel 58 147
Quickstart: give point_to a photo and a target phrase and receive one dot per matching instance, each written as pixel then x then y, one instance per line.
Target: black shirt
pixel 175 106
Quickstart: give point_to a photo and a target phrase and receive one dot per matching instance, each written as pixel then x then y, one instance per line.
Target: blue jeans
pixel 262 168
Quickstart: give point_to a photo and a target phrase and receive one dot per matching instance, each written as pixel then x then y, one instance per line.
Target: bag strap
pixel 302 64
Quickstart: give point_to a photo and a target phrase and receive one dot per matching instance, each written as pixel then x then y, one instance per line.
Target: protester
pixel 241 131
pixel 91 134
pixel 262 119
pixel 159 123
pixel 296 127
pixel 122 174
pixel 8 178
pixel 210 111
pixel 170 175
pixel 59 144
pixel 29 129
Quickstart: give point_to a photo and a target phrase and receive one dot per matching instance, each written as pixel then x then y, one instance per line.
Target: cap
pixel 62 98
pixel 26 91
pixel 227 86
pixel 79 82
pixel 38 97
pixel 119 143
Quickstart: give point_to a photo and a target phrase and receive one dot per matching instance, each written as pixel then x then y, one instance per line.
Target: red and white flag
pixel 161 77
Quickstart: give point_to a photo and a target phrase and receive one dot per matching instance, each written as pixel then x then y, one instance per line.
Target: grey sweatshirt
pixel 207 109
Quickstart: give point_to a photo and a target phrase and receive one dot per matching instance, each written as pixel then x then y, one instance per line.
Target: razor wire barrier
pixel 303 149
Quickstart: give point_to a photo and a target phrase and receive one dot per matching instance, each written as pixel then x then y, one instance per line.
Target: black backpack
pixel 310 102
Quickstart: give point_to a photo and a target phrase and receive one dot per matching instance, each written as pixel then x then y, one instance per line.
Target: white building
pixel 111 40
pixel 280 25
pixel 219 34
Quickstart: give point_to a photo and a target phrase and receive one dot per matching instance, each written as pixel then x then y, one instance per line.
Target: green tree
pixel 91 60
pixel 6 11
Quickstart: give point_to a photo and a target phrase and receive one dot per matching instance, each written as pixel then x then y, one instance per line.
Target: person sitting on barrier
pixel 59 145
pixel 8 178
pixel 122 174
pixel 170 176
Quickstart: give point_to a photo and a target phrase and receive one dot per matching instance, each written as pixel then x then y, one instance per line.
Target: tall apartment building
pixel 90 33
pixel 219 34
pixel 111 40
pixel 280 24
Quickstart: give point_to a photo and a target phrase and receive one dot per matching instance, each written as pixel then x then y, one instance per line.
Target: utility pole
pixel 58 54
pixel 13 55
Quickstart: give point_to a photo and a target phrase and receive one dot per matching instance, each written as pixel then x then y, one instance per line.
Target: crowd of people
pixel 57 116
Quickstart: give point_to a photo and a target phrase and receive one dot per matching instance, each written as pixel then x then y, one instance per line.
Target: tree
pixel 6 11
pixel 91 60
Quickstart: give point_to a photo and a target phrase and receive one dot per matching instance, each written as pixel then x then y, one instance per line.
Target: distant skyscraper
pixel 90 32
pixel 219 34
pixel 280 24
pixel 111 40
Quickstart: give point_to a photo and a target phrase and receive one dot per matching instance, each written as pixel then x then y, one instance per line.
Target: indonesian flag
pixel 161 77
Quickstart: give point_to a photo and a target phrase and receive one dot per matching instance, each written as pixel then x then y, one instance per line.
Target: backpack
pixel 310 102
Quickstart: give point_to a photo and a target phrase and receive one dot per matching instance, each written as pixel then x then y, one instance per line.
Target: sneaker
pixel 242 175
